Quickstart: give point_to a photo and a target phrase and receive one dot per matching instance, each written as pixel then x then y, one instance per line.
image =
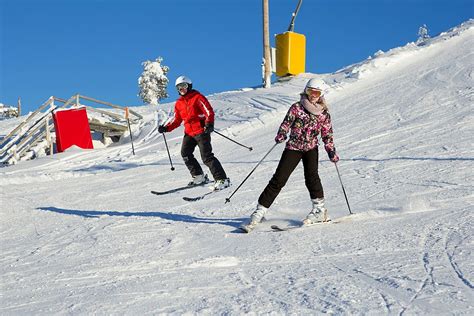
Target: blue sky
pixel 96 47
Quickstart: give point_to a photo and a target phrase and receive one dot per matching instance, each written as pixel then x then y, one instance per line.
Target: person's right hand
pixel 162 129
pixel 280 138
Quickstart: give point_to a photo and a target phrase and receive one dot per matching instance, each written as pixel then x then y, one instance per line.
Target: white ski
pixel 286 228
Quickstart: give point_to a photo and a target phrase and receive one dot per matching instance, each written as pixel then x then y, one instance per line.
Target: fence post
pixel 19 107
pixel 48 136
pixel 50 142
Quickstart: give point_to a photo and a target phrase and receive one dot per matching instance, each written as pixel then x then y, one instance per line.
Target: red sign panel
pixel 72 128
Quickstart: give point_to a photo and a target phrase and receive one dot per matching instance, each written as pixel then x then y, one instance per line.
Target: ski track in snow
pixel 81 234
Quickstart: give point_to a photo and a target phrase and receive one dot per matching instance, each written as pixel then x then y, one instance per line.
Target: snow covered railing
pixel 30 132
pixel 38 127
pixel 137 116
pixel 108 123
pixel 21 125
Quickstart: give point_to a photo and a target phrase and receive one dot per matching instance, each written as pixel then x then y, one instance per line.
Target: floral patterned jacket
pixel 304 129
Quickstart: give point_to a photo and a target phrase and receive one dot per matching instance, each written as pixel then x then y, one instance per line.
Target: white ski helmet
pixel 183 79
pixel 317 84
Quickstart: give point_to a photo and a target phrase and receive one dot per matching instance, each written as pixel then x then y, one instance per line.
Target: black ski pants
pixel 203 141
pixel 288 162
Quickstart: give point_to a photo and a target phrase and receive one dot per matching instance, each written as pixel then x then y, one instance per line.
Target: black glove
pixel 209 128
pixel 333 156
pixel 162 129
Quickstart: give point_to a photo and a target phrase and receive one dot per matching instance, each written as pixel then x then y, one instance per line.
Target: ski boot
pixel 220 184
pixel 319 214
pixel 257 217
pixel 199 179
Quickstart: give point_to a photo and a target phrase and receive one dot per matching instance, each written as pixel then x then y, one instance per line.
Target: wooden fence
pixel 38 127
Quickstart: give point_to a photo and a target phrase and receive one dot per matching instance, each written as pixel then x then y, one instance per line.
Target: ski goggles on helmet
pixel 316 93
pixel 182 85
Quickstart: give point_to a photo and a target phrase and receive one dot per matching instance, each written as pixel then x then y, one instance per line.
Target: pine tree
pixel 153 81
pixel 422 34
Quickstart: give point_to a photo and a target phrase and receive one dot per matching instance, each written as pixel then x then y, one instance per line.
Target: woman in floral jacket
pixel 304 121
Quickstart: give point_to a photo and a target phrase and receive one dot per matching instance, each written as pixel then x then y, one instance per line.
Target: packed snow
pixel 81 233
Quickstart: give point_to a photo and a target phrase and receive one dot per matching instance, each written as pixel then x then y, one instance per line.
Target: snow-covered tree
pixel 7 111
pixel 153 81
pixel 422 34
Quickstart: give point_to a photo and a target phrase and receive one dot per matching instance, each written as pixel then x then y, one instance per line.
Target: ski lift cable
pixel 292 23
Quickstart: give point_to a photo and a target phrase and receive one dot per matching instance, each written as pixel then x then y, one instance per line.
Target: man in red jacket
pixel 195 110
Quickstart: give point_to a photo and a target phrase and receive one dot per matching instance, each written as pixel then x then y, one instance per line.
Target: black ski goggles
pixel 182 85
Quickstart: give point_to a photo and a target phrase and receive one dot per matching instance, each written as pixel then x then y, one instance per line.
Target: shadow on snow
pixel 412 158
pixel 233 222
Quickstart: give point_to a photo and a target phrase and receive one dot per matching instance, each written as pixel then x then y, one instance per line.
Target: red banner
pixel 72 128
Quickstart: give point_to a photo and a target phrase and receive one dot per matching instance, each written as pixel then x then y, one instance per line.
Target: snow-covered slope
pixel 82 234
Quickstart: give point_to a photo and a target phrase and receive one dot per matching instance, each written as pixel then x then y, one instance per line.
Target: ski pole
pixel 130 129
pixel 249 148
pixel 169 156
pixel 343 190
pixel 258 164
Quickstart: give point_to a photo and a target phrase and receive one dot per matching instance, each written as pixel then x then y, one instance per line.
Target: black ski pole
pixel 258 164
pixel 249 148
pixel 169 156
pixel 343 190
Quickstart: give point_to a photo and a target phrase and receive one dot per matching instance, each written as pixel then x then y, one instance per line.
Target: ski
pixel 287 228
pixel 329 221
pixel 202 196
pixel 197 198
pixel 178 189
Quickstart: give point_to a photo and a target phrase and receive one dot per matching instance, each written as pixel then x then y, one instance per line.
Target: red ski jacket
pixel 195 110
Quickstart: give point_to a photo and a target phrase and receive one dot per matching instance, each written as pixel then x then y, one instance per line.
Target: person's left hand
pixel 333 156
pixel 209 128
